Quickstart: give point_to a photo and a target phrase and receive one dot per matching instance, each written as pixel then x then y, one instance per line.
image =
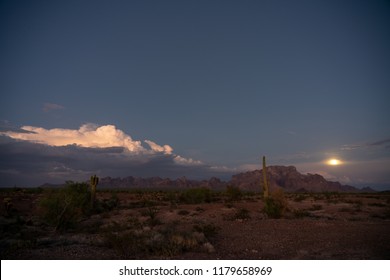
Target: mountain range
pixel 284 177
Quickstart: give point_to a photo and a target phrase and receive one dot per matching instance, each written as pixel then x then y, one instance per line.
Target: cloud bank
pixel 30 156
pixel 34 155
pixel 87 135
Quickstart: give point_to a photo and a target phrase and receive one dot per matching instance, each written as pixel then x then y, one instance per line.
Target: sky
pixel 194 88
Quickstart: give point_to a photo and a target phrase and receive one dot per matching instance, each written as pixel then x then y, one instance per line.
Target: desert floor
pixel 159 225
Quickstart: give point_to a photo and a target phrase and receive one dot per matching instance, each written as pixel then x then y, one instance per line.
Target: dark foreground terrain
pixel 198 224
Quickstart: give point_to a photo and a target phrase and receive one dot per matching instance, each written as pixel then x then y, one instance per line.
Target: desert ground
pixel 199 224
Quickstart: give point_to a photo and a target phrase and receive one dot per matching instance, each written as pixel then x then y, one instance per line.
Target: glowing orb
pixel 333 161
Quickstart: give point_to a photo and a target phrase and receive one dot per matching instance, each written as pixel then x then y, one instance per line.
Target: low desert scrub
pixel 242 214
pixel 133 223
pixel 183 212
pixel 237 214
pixel 353 209
pixel 107 205
pixel 299 198
pixel 115 227
pixel 318 197
pixel 199 209
pixel 151 212
pixel 229 205
pixel 90 227
pixel 209 230
pixel 353 201
pixel 63 208
pixel 196 195
pixel 301 213
pixel 357 204
pixel 275 205
pixel 127 245
pixel 165 242
pixel 233 193
pixel 329 196
pixel 315 207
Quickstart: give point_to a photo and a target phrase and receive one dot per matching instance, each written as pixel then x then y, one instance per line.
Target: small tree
pixel 64 207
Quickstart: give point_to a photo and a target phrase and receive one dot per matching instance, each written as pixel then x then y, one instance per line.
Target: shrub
pixel 331 196
pixel 151 212
pixel 199 209
pixel 135 245
pixel 128 245
pixel 183 212
pixel 63 208
pixel 197 195
pixel 209 230
pixel 301 213
pixel 242 214
pixel 233 193
pixel 299 198
pixel 107 204
pixel 275 205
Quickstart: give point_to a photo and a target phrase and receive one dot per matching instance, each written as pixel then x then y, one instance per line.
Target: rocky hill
pixel 285 177
pixel 289 179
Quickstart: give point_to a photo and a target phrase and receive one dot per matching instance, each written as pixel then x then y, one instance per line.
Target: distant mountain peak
pixel 284 177
pixel 289 179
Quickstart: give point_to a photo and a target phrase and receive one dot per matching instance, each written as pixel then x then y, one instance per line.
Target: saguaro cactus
pixel 265 181
pixel 8 205
pixel 94 182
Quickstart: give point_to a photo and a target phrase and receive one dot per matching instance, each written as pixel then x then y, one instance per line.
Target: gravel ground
pixel 337 230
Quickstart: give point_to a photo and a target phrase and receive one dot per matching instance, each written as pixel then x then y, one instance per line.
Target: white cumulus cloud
pixel 93 136
pixel 34 155
pixel 186 161
pixel 166 149
pixel 87 135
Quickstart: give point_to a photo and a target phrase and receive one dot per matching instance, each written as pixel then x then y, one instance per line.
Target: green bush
pixel 63 208
pixel 107 204
pixel 275 205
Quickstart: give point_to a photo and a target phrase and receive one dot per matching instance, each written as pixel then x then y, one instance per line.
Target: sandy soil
pixel 314 226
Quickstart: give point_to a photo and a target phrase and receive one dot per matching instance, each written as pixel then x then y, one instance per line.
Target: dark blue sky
pixel 220 82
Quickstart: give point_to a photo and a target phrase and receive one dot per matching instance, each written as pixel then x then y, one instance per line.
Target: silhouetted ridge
pixel 284 177
pixel 288 179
